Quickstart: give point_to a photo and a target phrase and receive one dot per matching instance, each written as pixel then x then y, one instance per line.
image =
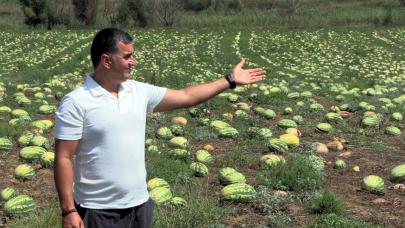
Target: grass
pixel 325 202
pixel 336 221
pixel 296 174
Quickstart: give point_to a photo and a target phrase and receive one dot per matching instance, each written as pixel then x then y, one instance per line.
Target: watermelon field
pixel 319 143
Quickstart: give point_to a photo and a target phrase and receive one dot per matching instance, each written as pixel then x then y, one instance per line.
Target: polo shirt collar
pixel 96 90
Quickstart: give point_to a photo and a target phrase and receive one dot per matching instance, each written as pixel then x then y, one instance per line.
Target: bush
pixel 85 10
pixel 227 4
pixel 325 202
pixel 297 174
pixel 38 12
pixel 197 5
pixel 134 10
pixel 333 220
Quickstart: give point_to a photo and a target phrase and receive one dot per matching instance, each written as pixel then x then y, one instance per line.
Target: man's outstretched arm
pixel 196 94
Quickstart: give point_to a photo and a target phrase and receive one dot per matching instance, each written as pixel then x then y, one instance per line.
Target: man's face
pixel 123 61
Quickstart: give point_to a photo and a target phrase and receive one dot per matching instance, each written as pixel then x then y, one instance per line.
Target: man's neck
pixel 104 80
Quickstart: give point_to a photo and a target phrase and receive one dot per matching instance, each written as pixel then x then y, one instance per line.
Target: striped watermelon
pixel 398 173
pixel 239 192
pixel 7 193
pixel 204 156
pixel 373 184
pixel 19 205
pixel 24 172
pixel 199 169
pixel 31 153
pixel 156 183
pixel 161 195
pixel 6 144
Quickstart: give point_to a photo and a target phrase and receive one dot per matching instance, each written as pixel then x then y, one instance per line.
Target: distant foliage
pixel 132 10
pixel 402 2
pixel 38 12
pixel 197 5
pixel 227 4
pixel 85 10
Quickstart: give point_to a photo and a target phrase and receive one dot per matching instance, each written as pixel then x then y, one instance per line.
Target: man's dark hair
pixel 105 42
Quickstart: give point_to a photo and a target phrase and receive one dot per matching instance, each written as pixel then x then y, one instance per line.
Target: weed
pixel 325 202
pixel 333 220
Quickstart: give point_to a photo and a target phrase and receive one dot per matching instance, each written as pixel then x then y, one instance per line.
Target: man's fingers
pixel 256 70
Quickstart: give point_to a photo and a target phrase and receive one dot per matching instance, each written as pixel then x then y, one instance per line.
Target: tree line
pixel 138 13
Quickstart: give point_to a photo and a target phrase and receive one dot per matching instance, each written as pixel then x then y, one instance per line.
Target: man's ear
pixel 106 61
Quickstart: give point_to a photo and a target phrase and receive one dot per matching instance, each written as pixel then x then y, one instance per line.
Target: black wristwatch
pixel 231 80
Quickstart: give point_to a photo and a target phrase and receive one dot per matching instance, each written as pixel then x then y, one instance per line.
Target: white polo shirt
pixel 109 166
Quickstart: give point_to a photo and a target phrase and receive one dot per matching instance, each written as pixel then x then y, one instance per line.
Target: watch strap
pixel 66 212
pixel 231 80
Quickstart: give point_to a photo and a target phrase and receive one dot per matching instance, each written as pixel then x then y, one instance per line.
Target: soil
pixel 345 183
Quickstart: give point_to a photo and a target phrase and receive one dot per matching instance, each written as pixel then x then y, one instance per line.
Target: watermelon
pixel 369 121
pixel 179 153
pixel 392 130
pixel 160 195
pixel 24 172
pixel 298 119
pixel 47 109
pixel 178 201
pixel 39 140
pixel 398 173
pixel 340 164
pixel 230 176
pixel 19 113
pixel 47 159
pixel 204 156
pixel 177 130
pixel 19 205
pixel 31 153
pixel 43 124
pixel 156 183
pixel 5 110
pixel 271 160
pixel 324 127
pixel 396 116
pixel 228 132
pixel 239 192
pixel 6 144
pixel 290 139
pixel 277 145
pixel 287 123
pixel 287 110
pixel 178 141
pixel 199 169
pixel 164 133
pixel 218 124
pixel 373 184
pixel 25 139
pixel 7 193
pixel 241 114
pixel 333 117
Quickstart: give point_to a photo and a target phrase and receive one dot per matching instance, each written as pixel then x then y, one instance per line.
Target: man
pixel 103 122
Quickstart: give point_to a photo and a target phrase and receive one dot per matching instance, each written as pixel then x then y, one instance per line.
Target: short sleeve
pixel 155 95
pixel 69 120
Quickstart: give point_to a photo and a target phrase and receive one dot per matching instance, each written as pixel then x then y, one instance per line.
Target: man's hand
pixel 247 76
pixel 73 220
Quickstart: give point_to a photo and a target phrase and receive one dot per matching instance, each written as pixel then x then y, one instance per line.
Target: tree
pixel 165 10
pixel 40 12
pixel 85 10
pixel 294 6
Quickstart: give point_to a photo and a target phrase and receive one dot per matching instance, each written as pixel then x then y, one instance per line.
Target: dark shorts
pixel 134 217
